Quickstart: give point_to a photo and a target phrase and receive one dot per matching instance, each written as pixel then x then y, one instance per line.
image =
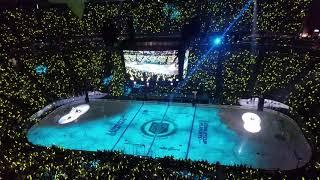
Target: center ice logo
pixel 159 128
pixel 156 127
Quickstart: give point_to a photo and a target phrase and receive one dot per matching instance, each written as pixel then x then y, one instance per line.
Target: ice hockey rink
pixel 201 132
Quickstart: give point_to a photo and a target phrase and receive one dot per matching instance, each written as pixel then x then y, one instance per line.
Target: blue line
pixel 156 134
pixel 194 115
pixel 127 127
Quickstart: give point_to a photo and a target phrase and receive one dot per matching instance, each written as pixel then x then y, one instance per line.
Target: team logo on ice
pixel 156 127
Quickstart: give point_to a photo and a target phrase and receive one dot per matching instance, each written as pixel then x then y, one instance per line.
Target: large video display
pixel 149 63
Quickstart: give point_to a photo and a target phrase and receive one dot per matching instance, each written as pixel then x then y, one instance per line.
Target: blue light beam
pixel 244 9
pixel 216 41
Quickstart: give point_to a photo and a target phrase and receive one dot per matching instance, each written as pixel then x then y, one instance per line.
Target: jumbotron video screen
pixel 151 63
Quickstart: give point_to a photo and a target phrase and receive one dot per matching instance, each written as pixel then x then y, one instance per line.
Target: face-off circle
pixel 156 127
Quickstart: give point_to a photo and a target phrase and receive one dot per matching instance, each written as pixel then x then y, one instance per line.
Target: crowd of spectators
pixel 47 37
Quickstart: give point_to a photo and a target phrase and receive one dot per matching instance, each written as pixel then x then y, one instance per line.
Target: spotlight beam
pixel 181 84
pixel 195 68
pixel 244 9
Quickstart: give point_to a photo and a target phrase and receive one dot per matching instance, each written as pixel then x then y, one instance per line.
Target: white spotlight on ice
pixel 74 114
pixel 251 122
